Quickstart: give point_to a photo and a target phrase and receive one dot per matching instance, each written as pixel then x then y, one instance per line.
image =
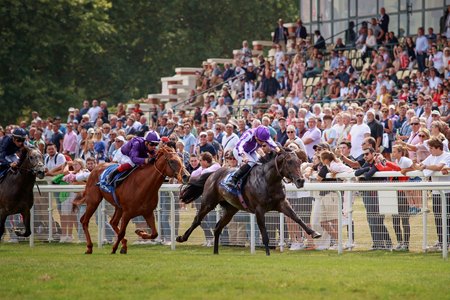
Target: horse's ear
pixel 301 155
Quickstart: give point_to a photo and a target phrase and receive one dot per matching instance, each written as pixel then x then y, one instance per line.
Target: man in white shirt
pixel 358 133
pixel 421 49
pixel 438 161
pixel 311 137
pixel 54 161
pixel 93 111
pixel 222 110
pixel 230 138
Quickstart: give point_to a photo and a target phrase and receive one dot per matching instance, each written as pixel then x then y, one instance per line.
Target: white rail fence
pixel 387 197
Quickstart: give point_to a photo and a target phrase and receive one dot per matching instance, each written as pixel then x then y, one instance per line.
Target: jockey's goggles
pixel 154 144
pixel 19 139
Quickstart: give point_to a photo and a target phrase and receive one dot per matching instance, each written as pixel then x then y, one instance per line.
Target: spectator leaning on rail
pixel 137 151
pixel 438 161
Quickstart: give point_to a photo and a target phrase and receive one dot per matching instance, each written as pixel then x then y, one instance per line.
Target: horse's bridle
pixel 32 170
pixel 168 162
pixel 288 180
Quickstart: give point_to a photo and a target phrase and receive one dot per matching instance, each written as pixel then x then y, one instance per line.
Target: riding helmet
pixel 152 136
pixel 19 133
pixel 262 133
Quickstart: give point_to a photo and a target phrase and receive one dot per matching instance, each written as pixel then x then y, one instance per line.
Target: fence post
pixel 252 233
pixel 349 196
pixel 444 225
pixel 424 219
pixel 172 221
pixel 340 222
pixel 100 223
pixel 50 218
pixel 32 226
pixel 281 232
pixel 158 215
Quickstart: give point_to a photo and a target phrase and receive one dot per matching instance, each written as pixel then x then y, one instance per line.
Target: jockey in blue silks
pixel 245 151
pixel 136 152
pixel 9 146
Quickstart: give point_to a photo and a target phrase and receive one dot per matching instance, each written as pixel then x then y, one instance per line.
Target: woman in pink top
pixel 420 148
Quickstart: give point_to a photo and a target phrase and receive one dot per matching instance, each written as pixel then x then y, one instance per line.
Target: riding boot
pixel 120 168
pixel 111 176
pixel 233 180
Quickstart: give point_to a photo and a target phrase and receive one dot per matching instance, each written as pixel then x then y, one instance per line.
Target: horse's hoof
pixel 139 232
pixel 88 252
pixel 123 251
pixel 315 235
pixel 180 239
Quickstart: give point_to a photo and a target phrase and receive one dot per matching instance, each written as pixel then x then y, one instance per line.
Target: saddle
pixel 117 180
pixel 240 187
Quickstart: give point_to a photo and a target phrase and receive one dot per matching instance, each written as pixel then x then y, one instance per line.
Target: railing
pixel 347 187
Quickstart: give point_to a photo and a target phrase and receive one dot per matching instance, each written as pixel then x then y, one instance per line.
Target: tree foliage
pixel 55 53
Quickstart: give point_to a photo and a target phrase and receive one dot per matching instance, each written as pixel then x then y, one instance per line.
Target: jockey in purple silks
pixel 136 152
pixel 245 151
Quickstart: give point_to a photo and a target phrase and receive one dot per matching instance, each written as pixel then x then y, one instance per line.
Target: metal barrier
pixel 169 210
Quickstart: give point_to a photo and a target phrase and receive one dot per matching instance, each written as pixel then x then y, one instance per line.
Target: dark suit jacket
pixel 277 37
pixel 300 32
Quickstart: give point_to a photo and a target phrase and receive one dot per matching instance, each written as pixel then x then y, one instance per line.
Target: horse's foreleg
pixel 202 212
pixel 84 220
pixel 121 235
pixel 286 209
pixel 26 222
pixel 262 228
pixel 230 211
pixel 2 225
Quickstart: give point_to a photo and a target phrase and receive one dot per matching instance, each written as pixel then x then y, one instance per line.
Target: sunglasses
pixel 154 144
pixel 360 116
pixel 415 123
pixel 318 149
pixel 290 131
pixel 421 135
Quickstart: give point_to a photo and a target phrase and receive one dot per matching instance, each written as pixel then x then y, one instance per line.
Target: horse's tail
pixel 79 200
pixel 194 188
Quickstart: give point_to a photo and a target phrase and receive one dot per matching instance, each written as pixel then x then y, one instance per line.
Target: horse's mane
pixel 268 157
pixel 272 154
pixel 23 155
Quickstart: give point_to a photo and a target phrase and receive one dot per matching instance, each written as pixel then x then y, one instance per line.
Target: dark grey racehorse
pixel 16 189
pixel 264 191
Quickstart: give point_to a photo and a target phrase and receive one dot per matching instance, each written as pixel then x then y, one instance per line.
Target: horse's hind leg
pixel 26 221
pixel 286 209
pixel 262 228
pixel 114 222
pixel 230 211
pixel 150 219
pixel 202 212
pixel 121 235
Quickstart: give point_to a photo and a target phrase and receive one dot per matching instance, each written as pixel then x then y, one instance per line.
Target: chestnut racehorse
pixel 137 195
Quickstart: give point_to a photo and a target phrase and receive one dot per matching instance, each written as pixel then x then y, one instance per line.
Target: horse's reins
pixel 31 170
pixel 278 170
pixel 168 162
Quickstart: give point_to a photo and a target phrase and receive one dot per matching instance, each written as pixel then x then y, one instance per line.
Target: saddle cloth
pixel 119 178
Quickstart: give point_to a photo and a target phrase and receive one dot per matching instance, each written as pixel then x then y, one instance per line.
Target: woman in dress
pixel 297 71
